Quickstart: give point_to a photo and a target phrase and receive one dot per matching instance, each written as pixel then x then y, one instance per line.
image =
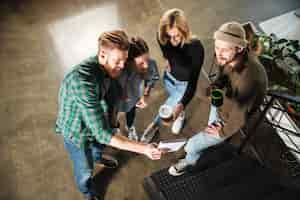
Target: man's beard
pixel 220 62
pixel 226 61
pixel 229 60
pixel 142 72
pixel 114 73
pixel 143 75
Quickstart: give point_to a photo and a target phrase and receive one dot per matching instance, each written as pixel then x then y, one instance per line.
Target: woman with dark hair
pixel 137 81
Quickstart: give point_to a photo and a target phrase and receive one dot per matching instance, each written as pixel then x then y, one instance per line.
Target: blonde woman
pixel 184 55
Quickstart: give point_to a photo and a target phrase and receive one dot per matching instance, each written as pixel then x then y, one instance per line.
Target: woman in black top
pixel 184 56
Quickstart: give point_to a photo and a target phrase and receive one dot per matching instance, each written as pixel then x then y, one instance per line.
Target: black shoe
pixel 108 161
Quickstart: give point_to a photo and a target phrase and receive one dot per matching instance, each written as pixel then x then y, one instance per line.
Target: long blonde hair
pixel 174 18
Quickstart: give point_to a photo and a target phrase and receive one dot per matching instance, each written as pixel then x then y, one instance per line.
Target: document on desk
pixel 172 145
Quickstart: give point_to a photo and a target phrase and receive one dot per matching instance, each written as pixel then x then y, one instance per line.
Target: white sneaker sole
pixel 172 171
pixel 176 129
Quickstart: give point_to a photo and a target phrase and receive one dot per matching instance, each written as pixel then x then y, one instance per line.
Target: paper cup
pixel 166 114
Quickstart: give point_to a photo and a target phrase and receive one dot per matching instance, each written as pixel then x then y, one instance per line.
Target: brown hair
pixel 114 39
pixel 138 47
pixel 174 18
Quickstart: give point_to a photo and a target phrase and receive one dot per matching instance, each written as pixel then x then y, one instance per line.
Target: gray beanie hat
pixel 232 32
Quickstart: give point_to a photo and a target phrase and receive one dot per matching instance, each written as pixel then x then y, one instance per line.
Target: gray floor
pixel 40 40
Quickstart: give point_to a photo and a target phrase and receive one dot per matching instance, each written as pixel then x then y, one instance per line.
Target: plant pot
pixel 166 115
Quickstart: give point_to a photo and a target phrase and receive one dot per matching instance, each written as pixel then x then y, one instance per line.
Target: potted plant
pixel 283 55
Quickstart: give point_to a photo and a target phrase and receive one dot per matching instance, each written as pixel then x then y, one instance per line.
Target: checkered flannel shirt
pixel 82 114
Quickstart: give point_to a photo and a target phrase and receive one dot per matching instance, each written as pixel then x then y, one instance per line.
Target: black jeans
pixel 130 116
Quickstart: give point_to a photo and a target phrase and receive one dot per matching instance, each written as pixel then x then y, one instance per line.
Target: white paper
pixel 172 145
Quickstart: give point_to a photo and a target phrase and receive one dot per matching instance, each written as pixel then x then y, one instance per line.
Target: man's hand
pixel 213 129
pixel 177 110
pixel 141 103
pixel 152 152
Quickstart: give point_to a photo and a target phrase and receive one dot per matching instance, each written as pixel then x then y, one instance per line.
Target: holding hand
pixel 141 103
pixel 214 129
pixel 152 152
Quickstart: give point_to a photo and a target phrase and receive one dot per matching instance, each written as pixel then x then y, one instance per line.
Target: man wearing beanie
pixel 244 81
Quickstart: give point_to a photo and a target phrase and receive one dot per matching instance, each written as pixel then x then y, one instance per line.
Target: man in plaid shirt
pixel 83 112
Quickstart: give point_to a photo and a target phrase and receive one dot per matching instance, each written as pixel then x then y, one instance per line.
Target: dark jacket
pixel 245 85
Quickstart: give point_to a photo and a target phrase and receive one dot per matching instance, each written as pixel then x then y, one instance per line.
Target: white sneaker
pixel 178 123
pixel 179 168
pixel 149 133
pixel 132 135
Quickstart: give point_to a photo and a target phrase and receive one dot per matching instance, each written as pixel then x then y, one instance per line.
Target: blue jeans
pixel 175 90
pixel 202 140
pixel 83 164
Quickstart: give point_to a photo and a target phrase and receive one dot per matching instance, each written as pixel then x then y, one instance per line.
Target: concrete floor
pixel 40 40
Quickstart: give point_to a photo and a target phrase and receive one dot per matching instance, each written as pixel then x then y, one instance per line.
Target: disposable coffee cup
pixel 166 114
pixel 217 97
